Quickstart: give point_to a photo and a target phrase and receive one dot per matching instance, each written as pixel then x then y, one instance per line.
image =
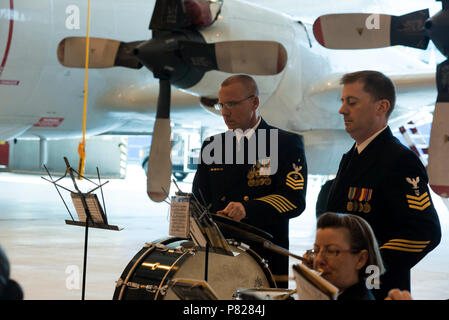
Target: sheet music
pixel 311 286
pixel 179 217
pixel 96 212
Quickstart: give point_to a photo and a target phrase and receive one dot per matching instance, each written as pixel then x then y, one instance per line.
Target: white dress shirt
pixel 364 144
pixel 239 133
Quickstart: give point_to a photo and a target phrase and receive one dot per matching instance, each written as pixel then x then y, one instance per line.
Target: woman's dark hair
pixel 361 236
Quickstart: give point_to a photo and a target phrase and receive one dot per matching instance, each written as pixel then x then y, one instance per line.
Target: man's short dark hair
pixel 378 85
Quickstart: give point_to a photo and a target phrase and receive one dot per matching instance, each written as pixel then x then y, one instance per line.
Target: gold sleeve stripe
pixel 425 194
pixel 401 249
pixel 284 201
pixel 419 208
pixel 409 241
pixel 418 203
pixel 413 246
pixel 273 204
pixel 405 245
pixel 279 202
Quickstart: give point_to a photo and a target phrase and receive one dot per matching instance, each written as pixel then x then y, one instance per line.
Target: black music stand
pixel 88 209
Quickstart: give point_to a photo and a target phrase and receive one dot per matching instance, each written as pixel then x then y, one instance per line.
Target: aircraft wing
pixel 136 107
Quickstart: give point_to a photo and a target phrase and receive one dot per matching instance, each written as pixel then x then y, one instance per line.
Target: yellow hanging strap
pixel 82 144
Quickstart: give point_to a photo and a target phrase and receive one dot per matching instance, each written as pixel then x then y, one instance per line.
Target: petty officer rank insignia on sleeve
pixel 358 200
pixel 417 201
pixel 294 179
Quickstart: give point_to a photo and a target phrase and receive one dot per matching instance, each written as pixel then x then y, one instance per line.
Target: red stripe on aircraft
pixel 8 46
pixel 9 82
pixel 49 122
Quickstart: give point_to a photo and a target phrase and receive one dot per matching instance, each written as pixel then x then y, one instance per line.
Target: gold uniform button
pixel 223 198
pixel 246 198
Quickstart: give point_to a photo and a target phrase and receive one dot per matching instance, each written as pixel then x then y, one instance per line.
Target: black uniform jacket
pixel 271 193
pixel 358 291
pixel 386 184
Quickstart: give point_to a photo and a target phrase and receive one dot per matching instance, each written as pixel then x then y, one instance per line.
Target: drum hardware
pixel 133 285
pixel 265 263
pixel 154 289
pixel 160 246
pixel 149 288
pixel 243 246
pixel 163 248
pixel 240 245
pixel 119 283
pixel 152 266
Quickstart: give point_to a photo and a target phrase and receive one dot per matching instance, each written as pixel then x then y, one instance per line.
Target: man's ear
pixel 382 106
pixel 256 102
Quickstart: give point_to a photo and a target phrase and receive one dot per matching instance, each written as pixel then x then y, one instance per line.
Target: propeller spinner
pixel 177 55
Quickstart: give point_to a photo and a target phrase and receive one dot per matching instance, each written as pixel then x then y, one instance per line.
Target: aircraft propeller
pixel 178 55
pixel 416 29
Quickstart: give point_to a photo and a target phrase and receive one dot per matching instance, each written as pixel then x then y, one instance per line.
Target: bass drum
pixel 147 276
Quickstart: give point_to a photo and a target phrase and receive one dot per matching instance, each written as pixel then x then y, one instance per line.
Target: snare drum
pixel 147 276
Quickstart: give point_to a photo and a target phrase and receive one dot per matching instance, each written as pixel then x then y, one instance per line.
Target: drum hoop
pixel 131 271
pixel 166 274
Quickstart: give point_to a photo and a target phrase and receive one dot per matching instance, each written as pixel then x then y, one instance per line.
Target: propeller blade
pixel 251 57
pixel 169 15
pixel 438 170
pixel 103 53
pixel 159 162
pixel 365 31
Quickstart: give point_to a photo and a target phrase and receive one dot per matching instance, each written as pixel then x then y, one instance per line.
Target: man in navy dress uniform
pixel 382 181
pixel 253 173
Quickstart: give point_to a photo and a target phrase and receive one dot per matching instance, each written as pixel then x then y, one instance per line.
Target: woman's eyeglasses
pixel 328 252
